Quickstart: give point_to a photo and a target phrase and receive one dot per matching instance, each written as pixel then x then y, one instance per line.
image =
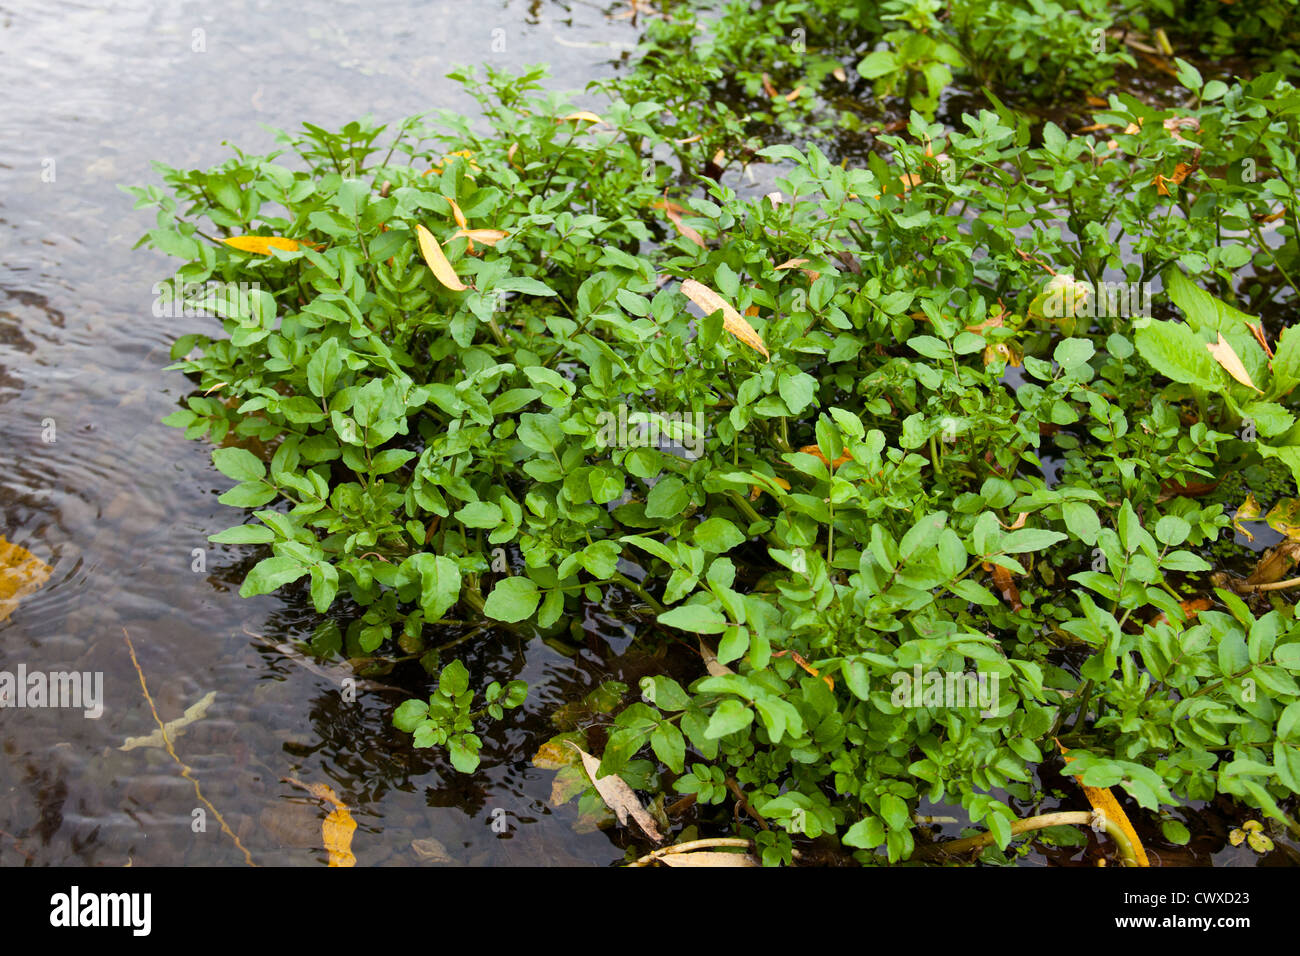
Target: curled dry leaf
pixel 1225 355
pixel 1276 563
pixel 1190 608
pixel 174 728
pixel 262 245
pixel 710 302
pixel 618 796
pixel 711 663
pixel 1104 802
pixel 1006 586
pixel 674 214
pixel 21 573
pixel 839 74
pixel 437 260
pixel 817 453
pixel 456 213
pixel 795 264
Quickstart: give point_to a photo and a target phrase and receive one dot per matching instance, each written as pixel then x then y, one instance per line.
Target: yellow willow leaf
pixel 489 237
pixel 1225 356
pixel 708 858
pixel 456 213
pixel 21 573
pixel 585 116
pixel 1104 801
pixel 262 245
pixel 437 260
pixel 732 321
pixel 618 796
pixel 336 834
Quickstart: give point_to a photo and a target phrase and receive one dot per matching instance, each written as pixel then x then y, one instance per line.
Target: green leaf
pixel 728 717
pixel 667 499
pixel 697 618
pixel 718 535
pixel 271 573
pixel 1175 351
pixel 239 464
pixel 512 600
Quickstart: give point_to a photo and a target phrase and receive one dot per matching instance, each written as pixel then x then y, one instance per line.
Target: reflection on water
pixel 91 483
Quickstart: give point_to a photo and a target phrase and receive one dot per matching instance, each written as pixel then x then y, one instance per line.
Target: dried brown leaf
pixel 618 796
pixel 1223 354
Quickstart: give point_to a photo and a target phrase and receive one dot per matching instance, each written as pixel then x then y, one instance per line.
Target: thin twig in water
pixel 186 770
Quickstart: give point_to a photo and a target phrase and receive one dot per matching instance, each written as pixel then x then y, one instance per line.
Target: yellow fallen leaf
pixel 21 573
pixel 1104 801
pixel 456 213
pixel 437 260
pixel 732 321
pixel 618 796
pixel 584 116
pixel 1225 356
pixel 464 154
pixel 336 834
pixel 338 827
pixel 708 858
pixel 262 245
pixel 489 237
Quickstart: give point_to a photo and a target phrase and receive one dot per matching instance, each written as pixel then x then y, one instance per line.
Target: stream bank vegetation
pixel 988 390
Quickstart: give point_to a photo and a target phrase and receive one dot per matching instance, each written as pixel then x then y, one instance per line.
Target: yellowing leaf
pixel 618 796
pixel 1249 510
pixel 732 321
pixel 817 453
pixel 1283 517
pixel 21 573
pixel 262 245
pixel 437 260
pixel 1104 801
pixel 1225 356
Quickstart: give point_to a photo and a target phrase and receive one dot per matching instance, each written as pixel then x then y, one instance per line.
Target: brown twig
pixel 186 770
